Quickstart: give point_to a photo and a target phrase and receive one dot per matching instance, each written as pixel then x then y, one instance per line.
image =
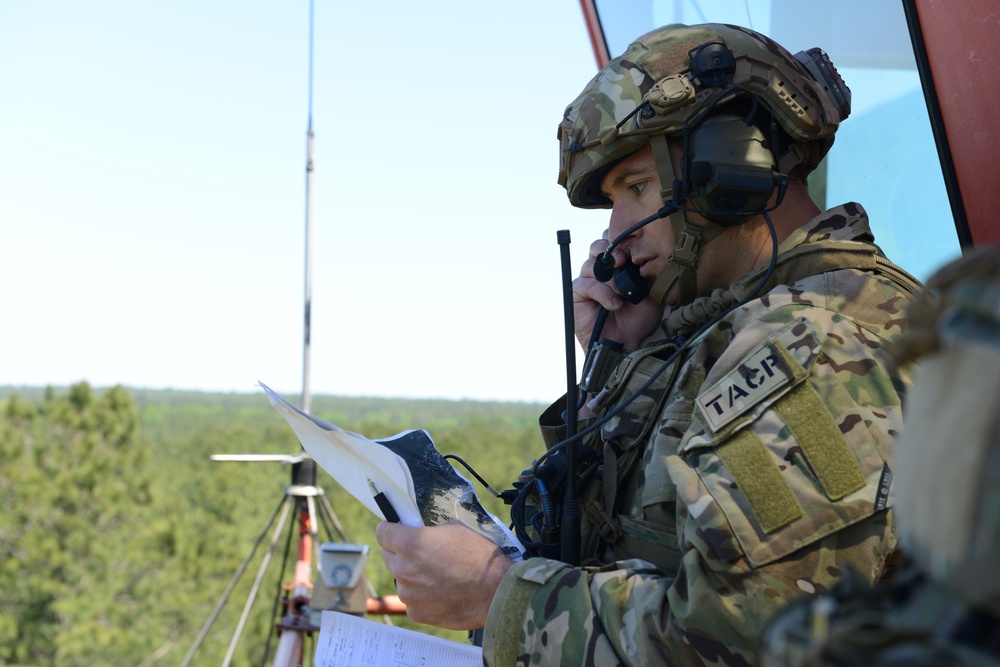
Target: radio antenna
pixel 306 393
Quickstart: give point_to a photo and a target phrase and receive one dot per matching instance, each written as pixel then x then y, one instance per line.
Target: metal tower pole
pixel 306 392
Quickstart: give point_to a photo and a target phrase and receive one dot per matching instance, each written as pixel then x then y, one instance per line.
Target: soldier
pixel 943 607
pixel 741 438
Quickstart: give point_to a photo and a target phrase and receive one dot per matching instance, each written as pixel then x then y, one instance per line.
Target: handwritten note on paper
pixel 352 641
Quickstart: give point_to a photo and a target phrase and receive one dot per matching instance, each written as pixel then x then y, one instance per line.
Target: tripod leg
pixel 232 584
pixel 333 518
pixel 256 584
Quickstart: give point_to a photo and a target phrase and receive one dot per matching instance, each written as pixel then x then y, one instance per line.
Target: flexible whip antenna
pixel 570 524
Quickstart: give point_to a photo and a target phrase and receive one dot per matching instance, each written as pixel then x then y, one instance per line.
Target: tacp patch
pixel 761 374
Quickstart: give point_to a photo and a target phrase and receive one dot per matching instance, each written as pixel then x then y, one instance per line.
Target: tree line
pixel 118 535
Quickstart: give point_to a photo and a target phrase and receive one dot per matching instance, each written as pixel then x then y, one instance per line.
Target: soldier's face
pixel 633 186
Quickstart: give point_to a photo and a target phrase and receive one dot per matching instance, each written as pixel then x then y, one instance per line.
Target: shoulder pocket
pixel 772 456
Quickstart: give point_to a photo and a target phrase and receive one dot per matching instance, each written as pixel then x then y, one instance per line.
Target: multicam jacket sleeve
pixel 773 454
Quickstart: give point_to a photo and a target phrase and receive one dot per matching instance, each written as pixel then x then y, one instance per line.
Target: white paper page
pixel 352 641
pixel 352 460
pixel 442 492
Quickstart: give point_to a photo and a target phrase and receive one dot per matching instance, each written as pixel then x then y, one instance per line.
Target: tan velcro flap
pixel 773 470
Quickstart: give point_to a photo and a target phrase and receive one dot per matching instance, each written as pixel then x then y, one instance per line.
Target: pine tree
pixel 73 498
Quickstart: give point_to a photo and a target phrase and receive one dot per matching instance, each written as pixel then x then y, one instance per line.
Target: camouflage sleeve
pixel 783 485
pixel 547 613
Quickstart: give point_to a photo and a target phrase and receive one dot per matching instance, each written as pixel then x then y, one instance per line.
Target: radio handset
pixel 603 355
pixel 630 284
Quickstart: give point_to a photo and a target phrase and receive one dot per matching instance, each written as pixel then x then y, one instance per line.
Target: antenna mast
pixel 306 393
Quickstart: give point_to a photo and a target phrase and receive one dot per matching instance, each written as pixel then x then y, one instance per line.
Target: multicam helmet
pixel 671 79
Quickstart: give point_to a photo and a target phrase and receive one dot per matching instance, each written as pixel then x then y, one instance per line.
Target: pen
pixel 388 511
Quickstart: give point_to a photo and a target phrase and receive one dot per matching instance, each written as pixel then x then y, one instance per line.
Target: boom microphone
pixel 604 264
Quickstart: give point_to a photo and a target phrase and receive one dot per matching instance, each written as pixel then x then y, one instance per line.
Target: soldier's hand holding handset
pixel 626 323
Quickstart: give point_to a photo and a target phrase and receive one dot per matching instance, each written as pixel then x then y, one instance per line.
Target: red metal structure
pixel 954 43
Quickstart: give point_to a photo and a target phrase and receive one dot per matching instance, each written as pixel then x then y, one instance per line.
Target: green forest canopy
pixel 118 535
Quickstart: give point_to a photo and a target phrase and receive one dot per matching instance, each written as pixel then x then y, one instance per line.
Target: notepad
pixel 353 641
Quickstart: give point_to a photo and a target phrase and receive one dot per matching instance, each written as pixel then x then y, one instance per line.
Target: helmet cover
pixel 652 89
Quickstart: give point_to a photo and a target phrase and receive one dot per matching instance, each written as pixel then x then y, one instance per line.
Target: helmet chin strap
pixel 690 237
pixel 681 264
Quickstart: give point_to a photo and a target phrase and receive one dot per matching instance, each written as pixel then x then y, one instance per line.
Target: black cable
pixel 604 264
pixel 595 334
pixel 517 513
pixel 487 485
pixel 631 114
pixel 677 207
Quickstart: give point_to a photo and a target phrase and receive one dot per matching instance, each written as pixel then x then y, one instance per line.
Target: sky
pixel 152 189
pixel 152 195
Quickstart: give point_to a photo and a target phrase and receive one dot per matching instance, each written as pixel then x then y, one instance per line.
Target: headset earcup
pixel 730 169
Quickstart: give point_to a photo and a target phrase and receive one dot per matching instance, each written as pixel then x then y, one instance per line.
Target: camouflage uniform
pixel 753 471
pixel 944 606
